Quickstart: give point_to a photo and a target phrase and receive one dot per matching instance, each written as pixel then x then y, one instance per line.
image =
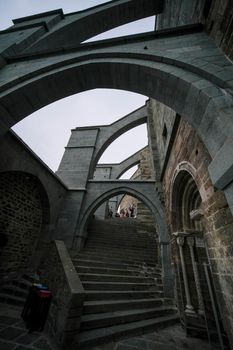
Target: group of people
pixel 128 212
pixel 124 212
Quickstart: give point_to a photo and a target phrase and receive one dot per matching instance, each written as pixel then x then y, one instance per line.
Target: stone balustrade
pixel 58 272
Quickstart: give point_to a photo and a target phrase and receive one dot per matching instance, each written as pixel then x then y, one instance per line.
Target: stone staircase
pixel 15 291
pixel 144 215
pixel 123 285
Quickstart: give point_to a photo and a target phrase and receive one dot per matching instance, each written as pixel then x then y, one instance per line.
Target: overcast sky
pixel 47 131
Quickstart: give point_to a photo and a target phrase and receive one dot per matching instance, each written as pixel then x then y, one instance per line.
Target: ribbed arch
pixel 124 190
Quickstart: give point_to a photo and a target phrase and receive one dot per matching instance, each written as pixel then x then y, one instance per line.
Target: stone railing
pixel 58 272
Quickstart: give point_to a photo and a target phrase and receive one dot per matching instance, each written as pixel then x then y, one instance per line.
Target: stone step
pixel 21 283
pixel 105 270
pixel 113 333
pixel 127 256
pixel 125 226
pixel 126 223
pixel 145 210
pixel 138 255
pixel 146 218
pixel 130 244
pixel 125 259
pixel 113 286
pixel 114 265
pixel 97 263
pixel 142 236
pixel 111 295
pixel 117 278
pixel 110 271
pixel 98 306
pixel 119 241
pixel 15 291
pixel 93 321
pixel 109 259
pixel 11 299
pixel 117 246
pixel 122 227
pixel 122 247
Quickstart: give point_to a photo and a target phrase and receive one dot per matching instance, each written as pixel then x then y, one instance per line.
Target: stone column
pixel 167 270
pixel 188 308
pixel 73 171
pixel 65 228
pixel 190 241
pixel 75 164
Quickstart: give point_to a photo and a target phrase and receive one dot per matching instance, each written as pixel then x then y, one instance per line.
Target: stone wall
pixel 144 172
pixel 188 153
pixel 161 133
pixel 219 24
pixel 180 12
pixel 21 218
pixel 216 16
pixel 219 227
pixel 57 271
pixel 145 165
pixel 17 157
pixel 142 212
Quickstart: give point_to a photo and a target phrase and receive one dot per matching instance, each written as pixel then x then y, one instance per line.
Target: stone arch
pixel 24 213
pixel 124 190
pixel 110 133
pixel 156 80
pixel 136 162
pixel 192 91
pixel 184 197
pixel 190 246
pixel 182 168
pixel 128 163
pixel 73 28
pixel 118 169
pixel 154 205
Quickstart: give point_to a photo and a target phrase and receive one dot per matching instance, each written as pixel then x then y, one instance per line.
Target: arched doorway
pixel 195 291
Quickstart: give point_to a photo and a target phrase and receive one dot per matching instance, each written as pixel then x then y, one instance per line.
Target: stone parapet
pixel 58 272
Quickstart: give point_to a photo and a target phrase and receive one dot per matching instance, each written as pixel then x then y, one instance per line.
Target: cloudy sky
pixel 93 107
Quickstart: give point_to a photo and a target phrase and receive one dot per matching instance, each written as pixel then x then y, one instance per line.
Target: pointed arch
pixel 154 205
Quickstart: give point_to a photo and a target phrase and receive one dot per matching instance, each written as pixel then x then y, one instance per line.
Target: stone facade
pixel 21 217
pixel 189 155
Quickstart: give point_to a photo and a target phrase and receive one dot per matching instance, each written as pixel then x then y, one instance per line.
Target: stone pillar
pixel 102 173
pixel 76 161
pixel 66 225
pixel 190 241
pixel 188 308
pixel 74 171
pixel 167 270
